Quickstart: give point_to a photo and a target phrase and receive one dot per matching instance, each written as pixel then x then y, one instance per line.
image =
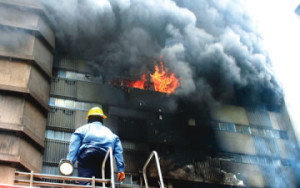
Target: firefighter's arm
pixel 118 153
pixel 74 146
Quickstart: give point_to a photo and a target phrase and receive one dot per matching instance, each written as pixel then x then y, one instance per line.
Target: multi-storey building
pixel 41 106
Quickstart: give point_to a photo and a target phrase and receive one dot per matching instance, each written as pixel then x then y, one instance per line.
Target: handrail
pixel 57 177
pixel 158 169
pixel 109 152
pixel 31 181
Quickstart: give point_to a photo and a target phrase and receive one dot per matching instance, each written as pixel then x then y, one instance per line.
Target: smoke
pixel 211 46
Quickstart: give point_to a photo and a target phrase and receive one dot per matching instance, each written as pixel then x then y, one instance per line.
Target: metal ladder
pixel 153 153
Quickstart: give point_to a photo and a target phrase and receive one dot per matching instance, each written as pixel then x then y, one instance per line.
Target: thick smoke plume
pixel 211 45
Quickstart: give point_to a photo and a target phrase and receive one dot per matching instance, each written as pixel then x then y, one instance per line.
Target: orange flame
pixel 140 84
pixel 163 81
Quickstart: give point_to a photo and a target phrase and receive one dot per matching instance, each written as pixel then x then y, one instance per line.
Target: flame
pixel 140 84
pixel 164 81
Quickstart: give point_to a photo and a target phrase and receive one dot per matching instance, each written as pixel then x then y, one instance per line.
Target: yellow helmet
pixel 96 111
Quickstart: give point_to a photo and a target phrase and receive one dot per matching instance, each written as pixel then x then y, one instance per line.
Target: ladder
pixel 153 153
pixel 32 179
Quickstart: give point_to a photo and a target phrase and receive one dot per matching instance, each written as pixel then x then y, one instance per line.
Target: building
pixel 46 93
pixel 297 11
pixel 26 47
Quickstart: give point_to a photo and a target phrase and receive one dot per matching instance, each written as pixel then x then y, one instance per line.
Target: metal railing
pixel 36 179
pixel 112 180
pixel 154 153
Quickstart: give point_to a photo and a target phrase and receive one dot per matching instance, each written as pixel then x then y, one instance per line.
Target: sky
pixel 279 26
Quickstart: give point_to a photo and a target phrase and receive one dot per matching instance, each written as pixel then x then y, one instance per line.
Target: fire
pixel 140 84
pixel 164 81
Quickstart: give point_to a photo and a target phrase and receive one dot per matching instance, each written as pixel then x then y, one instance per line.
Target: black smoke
pixel 212 46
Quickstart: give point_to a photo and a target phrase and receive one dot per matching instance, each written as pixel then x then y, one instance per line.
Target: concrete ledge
pixel 27 46
pixel 29 59
pixel 16 159
pixel 26 91
pixel 23 131
pixel 50 44
pixel 33 4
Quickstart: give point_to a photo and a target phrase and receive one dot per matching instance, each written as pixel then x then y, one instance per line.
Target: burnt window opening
pixel 132 129
pixel 163 148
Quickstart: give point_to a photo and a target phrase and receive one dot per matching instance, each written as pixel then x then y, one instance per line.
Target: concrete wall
pixel 26 45
pixel 230 114
pixel 14 73
pixel 34 120
pixel 4 170
pixel 19 114
pixel 235 143
pixel 20 76
pixel 19 151
pixel 30 20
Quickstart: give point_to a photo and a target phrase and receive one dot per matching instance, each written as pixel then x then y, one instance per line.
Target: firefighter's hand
pixel 120 176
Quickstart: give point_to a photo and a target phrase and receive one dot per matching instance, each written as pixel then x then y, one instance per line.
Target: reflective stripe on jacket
pixel 95 135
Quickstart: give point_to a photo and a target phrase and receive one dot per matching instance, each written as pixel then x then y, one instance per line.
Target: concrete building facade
pixel 26 46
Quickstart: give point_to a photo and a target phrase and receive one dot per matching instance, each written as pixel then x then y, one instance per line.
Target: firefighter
pixel 89 144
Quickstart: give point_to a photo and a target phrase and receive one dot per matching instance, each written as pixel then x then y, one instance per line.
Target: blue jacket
pixel 95 135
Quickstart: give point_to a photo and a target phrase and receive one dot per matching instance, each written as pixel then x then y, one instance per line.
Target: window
pixel 78 76
pixel 71 104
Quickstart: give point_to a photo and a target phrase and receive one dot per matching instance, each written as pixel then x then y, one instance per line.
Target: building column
pixel 26 45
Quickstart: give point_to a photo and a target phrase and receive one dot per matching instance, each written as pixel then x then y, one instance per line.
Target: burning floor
pixel 160 81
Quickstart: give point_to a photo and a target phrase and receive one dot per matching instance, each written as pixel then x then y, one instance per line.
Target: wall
pixel 26 45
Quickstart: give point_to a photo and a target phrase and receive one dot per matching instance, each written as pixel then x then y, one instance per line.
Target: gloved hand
pixel 120 176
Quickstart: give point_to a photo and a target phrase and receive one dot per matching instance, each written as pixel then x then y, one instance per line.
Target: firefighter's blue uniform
pixel 94 139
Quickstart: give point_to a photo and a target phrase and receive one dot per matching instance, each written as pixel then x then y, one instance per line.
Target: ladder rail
pixel 112 178
pixel 153 153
